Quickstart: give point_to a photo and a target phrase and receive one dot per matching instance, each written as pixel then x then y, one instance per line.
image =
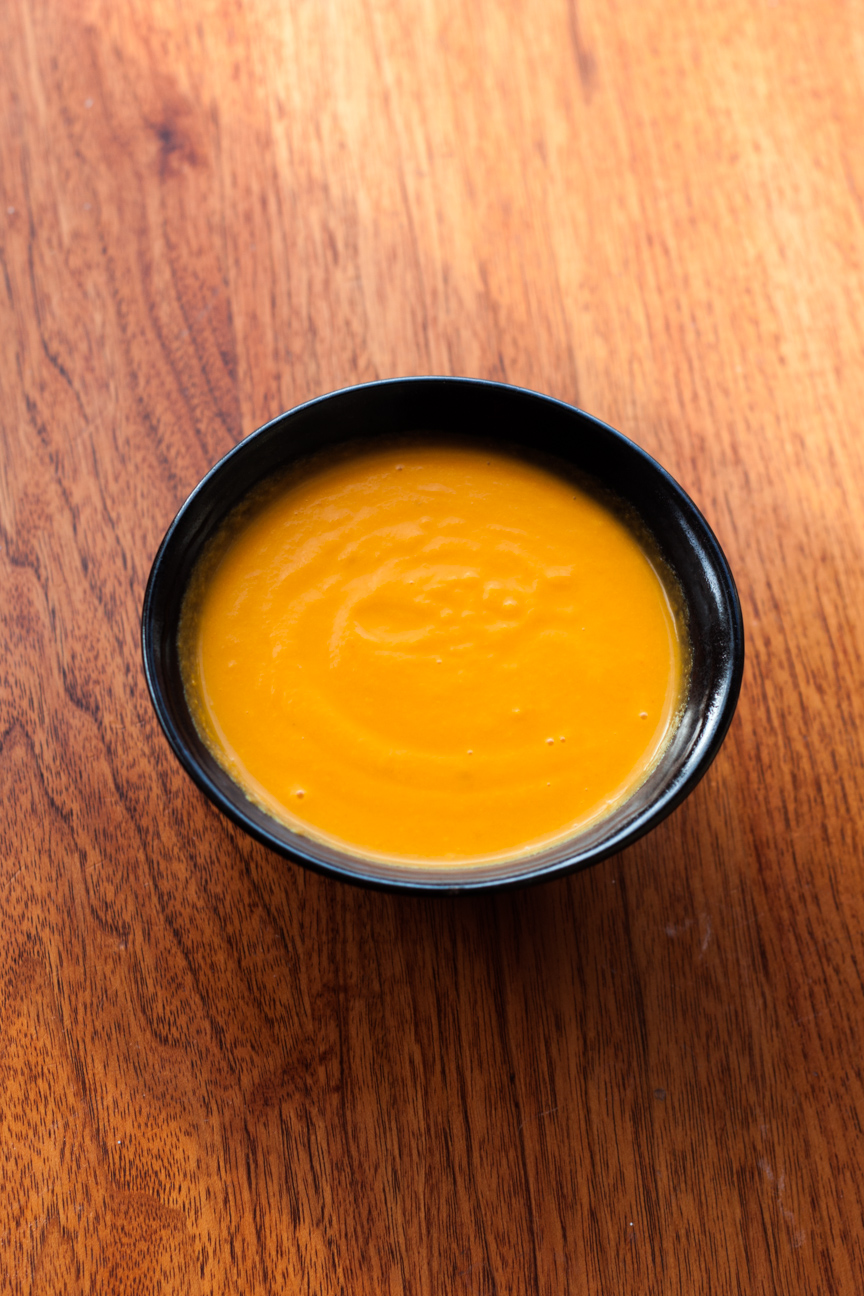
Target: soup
pixel 433 652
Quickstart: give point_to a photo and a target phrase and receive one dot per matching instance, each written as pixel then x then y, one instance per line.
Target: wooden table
pixel 218 1073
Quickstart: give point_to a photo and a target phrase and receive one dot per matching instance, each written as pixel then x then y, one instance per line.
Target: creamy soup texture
pixel 433 652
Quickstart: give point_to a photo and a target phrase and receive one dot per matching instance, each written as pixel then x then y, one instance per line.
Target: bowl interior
pixel 508 417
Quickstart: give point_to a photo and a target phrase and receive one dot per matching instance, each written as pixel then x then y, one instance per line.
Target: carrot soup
pixel 433 652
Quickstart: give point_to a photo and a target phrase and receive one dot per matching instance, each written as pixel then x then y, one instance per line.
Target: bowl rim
pixel 359 870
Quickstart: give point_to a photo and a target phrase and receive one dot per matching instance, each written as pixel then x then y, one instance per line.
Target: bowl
pixel 511 418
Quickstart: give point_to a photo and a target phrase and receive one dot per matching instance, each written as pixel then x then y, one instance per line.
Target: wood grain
pixel 219 1073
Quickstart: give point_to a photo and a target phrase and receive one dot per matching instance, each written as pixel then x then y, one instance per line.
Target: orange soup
pixel 432 652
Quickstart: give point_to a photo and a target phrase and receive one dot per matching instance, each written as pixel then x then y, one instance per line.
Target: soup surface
pixel 432 652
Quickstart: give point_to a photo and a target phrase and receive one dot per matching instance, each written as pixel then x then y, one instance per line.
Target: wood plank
pixel 219 1073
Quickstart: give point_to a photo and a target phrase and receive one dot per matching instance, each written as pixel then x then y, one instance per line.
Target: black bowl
pixel 510 417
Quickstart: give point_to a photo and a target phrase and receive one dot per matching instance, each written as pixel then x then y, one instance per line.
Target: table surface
pixel 219 1073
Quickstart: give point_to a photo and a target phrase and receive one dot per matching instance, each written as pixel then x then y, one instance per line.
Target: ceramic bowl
pixel 511 418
